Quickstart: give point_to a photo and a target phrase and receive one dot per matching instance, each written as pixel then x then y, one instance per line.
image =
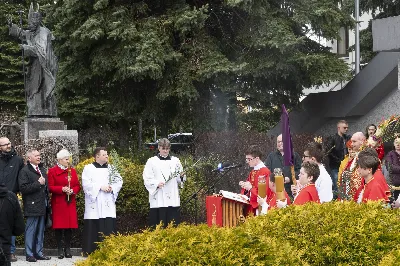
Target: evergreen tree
pixel 171 61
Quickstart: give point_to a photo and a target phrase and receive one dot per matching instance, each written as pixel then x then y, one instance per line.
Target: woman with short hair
pixel 64 185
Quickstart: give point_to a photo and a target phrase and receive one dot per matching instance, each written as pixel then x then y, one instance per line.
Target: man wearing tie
pixel 33 186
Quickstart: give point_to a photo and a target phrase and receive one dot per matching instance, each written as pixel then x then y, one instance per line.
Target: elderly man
pixel 33 186
pixel 351 179
pixel 10 165
pixel 275 160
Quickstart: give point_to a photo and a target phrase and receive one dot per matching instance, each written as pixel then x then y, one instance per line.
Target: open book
pixel 234 196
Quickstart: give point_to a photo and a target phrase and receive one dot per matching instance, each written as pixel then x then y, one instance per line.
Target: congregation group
pixel 357 170
pixel 49 201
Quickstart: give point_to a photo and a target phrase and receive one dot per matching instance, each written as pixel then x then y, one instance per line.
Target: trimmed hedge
pixel 193 245
pixel 329 234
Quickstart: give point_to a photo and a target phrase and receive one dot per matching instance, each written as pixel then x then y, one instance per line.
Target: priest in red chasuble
pixel 372 190
pixel 250 186
pixel 309 173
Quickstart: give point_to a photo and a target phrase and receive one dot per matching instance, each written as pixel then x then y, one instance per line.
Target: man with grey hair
pixel 162 176
pixel 10 165
pixel 33 186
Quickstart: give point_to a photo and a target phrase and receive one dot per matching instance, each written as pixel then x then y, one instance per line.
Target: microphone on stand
pixel 225 166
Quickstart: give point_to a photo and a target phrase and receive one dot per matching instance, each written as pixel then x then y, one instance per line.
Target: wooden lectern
pixel 222 211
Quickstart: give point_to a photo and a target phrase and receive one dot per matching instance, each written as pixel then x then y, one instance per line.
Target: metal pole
pixel 357 41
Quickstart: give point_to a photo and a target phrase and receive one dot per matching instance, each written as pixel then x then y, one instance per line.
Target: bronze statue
pixel 40 75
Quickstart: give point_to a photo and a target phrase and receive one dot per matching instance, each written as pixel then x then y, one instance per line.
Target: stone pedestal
pixel 68 139
pixel 32 126
pixel 49 136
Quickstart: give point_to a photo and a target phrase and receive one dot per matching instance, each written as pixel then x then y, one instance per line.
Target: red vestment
pixel 272 200
pixel 382 181
pixel 307 193
pixel 373 191
pixel 379 180
pixel 253 192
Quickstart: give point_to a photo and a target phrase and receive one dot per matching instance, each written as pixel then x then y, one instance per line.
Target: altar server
pixel 101 183
pixel 162 175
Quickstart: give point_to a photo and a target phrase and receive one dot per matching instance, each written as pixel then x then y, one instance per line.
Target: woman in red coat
pixel 64 185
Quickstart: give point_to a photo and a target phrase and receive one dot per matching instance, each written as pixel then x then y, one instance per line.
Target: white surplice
pixel 324 185
pixel 156 171
pixel 99 204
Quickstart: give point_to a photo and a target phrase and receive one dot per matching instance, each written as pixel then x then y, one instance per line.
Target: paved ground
pixel 54 261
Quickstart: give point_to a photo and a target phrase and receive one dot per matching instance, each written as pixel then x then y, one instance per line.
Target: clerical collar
pixel 163 158
pixel 259 166
pixel 97 165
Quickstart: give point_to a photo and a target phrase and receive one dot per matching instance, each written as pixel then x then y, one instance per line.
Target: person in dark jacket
pixel 33 186
pixel 275 160
pixel 393 165
pixel 10 165
pixel 11 222
pixel 337 150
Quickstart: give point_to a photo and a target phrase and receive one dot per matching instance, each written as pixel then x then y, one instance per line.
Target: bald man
pixel 10 165
pixel 275 160
pixel 357 140
pixel 355 181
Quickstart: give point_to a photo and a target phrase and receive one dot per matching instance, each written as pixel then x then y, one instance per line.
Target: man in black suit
pixel 33 186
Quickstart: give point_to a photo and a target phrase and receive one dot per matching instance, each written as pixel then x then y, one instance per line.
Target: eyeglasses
pixel 250 159
pixel 5 144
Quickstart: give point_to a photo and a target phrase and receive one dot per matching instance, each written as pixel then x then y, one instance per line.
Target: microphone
pixel 225 166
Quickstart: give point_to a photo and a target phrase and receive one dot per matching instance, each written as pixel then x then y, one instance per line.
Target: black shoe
pixel 68 253
pixel 60 254
pixel 31 259
pixel 42 257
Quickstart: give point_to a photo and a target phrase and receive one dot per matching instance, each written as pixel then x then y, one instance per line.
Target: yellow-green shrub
pixel 333 233
pixel 193 245
pixel 328 234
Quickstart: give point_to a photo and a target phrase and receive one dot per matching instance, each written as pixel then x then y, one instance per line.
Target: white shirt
pixel 99 204
pixel 324 185
pixel 156 171
pixel 259 166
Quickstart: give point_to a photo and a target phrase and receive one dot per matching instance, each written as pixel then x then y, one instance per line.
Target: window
pixel 343 43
